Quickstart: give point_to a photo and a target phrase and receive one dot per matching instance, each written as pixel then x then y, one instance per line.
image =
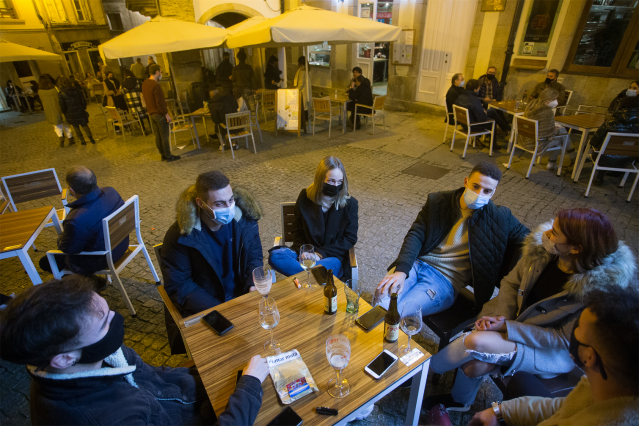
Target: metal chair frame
pixel 461 113
pixel 121 119
pixel 324 110
pixel 377 110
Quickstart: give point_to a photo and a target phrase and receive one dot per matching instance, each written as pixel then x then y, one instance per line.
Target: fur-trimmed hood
pixel 188 213
pixel 618 268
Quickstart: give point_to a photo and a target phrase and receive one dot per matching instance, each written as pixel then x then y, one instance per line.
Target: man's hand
pixel 491 324
pixel 393 283
pixel 257 367
pixel 168 118
pixel 484 418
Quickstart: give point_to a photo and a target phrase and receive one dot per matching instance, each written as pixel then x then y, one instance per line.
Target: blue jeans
pixel 426 286
pixel 286 262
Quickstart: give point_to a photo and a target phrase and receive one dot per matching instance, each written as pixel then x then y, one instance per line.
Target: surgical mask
pixel 548 81
pixel 462 84
pixel 331 190
pixel 550 247
pixel 631 92
pixel 475 201
pixel 573 350
pixel 107 345
pixel 222 216
pixel 553 104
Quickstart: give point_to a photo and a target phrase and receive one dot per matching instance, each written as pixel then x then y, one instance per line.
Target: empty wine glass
pixel 269 318
pixel 338 352
pixel 263 279
pixel 307 261
pixel 411 323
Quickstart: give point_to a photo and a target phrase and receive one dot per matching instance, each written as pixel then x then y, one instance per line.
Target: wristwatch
pixel 497 410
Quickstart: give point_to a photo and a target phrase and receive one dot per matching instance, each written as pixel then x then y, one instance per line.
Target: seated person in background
pixel 605 344
pixel 81 373
pixel 12 90
pixel 209 253
pixel 325 217
pixel 459 238
pixel 35 87
pixel 272 74
pixel 221 102
pixel 489 88
pixel 456 89
pixel 361 95
pixel 541 109
pixel 471 101
pixel 631 91
pixel 527 326
pixel 241 104
pixel 624 120
pixel 551 82
pixel 82 228
pixel 357 71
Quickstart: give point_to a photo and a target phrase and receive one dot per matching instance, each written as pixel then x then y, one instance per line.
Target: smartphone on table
pixel 288 417
pixel 217 322
pixel 381 364
pixel 320 273
pixel 370 319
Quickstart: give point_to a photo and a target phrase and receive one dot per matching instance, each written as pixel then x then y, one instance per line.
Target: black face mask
pixel 490 77
pixel 331 190
pixel 548 81
pixel 104 347
pixel 573 349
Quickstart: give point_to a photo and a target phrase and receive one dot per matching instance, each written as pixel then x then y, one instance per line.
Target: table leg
pixel 197 138
pixel 584 138
pixel 56 222
pixel 416 395
pixel 26 99
pixel 28 266
pixel 344 118
pixel 206 129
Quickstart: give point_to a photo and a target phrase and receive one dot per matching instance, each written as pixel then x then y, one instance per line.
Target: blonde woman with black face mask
pixel 325 217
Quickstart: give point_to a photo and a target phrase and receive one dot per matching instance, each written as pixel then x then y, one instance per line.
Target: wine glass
pixel 307 261
pixel 411 323
pixel 338 352
pixel 269 318
pixel 263 279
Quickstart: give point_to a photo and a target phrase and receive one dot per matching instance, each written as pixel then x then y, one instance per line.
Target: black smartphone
pixel 320 273
pixel 370 319
pixel 288 417
pixel 217 322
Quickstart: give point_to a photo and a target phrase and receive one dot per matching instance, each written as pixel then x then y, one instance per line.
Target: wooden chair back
pixel 268 98
pixel 526 127
pixel 121 223
pixel 621 144
pixel 239 120
pixel 378 104
pixel 321 105
pixel 31 186
pixel 288 213
pixel 461 115
pixel 97 88
pixel 114 113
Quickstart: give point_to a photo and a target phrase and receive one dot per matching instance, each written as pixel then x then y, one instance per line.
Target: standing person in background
pixel 52 112
pixel 73 105
pixel 132 91
pixel 157 109
pixel 223 73
pixel 244 78
pixel 99 76
pixel 272 77
pixel 150 62
pixel 113 94
pixel 300 83
pixel 361 95
pixel 138 70
pixel 551 82
pixel 103 69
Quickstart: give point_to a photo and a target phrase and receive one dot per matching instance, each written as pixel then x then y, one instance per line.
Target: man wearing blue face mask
pixel 460 238
pixel 209 253
pixel 456 89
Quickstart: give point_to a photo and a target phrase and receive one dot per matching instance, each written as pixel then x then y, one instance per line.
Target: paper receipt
pixel 411 357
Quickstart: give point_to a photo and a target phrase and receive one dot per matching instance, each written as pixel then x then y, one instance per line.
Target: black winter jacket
pixel 452 95
pixel 131 392
pixel 473 104
pixel 191 273
pixel 362 95
pixel 331 239
pixel 221 104
pixel 494 236
pixel 624 120
pixel 223 73
pixel 73 105
pixel 272 74
pixel 497 93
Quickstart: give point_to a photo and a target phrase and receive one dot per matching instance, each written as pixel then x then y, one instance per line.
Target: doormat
pixel 425 171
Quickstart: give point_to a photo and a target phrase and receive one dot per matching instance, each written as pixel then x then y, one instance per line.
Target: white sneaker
pixel 365 412
pixel 552 165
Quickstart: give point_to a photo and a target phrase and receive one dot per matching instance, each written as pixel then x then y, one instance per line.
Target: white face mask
pixel 553 104
pixel 550 247
pixel 475 201
pixel 631 92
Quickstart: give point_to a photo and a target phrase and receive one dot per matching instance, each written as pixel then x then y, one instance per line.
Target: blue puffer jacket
pixel 131 392
pixel 494 237
pixel 83 230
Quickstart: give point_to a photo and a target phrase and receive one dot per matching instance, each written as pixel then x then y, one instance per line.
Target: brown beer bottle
pixel 391 321
pixel 330 295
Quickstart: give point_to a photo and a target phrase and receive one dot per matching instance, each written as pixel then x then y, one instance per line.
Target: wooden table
pixel 19 230
pixel 198 114
pixel 343 100
pixel 305 327
pixel 509 107
pixel 585 123
pixel 16 97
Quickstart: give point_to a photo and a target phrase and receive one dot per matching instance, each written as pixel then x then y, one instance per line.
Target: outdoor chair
pixel 180 124
pixel 107 119
pixel 268 102
pixel 183 101
pixel 562 108
pixel 240 122
pixel 255 121
pixel 625 144
pixel 530 129
pixel 122 119
pixel 462 117
pixel 376 111
pixel 450 119
pixel 116 227
pixel 323 110
pixel 287 213
pixel 97 89
pixel 591 109
pixel 6 205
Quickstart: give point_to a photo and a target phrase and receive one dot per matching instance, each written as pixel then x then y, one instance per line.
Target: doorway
pixel 73 61
pixel 373 58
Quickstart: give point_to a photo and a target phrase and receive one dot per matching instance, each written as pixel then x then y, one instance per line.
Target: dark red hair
pixel 592 231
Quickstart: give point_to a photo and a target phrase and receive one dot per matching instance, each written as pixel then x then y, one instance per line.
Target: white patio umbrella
pixel 10 52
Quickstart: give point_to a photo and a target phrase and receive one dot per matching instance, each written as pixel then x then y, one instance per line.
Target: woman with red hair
pixel 528 326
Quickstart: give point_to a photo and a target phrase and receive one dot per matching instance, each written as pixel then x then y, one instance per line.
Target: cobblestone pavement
pixel 389 201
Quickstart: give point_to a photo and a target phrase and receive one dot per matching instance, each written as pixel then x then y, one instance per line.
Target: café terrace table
pixel 509 107
pixel 343 100
pixel 584 122
pixel 305 327
pixel 198 114
pixel 19 230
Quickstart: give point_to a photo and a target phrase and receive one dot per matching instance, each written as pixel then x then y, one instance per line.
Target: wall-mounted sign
pixel 540 22
pixel 493 5
pixel 89 44
pixel 528 48
pixel 384 15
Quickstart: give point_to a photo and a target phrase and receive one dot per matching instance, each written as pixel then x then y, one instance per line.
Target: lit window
pixel 82 10
pixel 6 10
pixel 56 11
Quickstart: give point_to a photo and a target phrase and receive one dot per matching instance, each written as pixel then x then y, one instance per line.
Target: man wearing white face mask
pixel 209 253
pixel 459 238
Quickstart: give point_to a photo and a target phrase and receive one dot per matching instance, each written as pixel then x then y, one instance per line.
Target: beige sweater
pixel 546 128
pixel 578 408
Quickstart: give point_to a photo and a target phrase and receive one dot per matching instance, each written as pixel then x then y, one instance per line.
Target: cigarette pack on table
pixel 290 376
